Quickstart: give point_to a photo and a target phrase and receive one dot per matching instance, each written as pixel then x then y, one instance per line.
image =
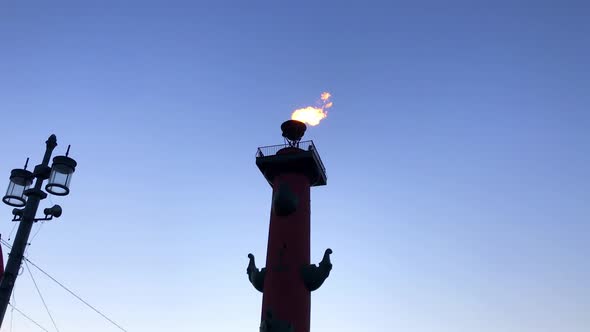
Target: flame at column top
pixel 313 115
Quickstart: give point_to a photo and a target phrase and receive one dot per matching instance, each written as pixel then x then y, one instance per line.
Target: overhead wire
pixel 11 231
pixel 67 289
pixel 12 310
pixel 41 296
pixel 27 317
pixel 78 297
pixel 37 232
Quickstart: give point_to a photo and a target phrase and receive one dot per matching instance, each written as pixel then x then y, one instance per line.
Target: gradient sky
pixel 457 152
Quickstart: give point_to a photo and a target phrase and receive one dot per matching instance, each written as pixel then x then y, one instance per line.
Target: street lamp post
pixel 20 195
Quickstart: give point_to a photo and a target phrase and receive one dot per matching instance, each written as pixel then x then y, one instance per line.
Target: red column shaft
pixel 288 251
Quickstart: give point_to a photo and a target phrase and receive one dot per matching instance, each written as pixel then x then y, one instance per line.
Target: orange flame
pixel 313 115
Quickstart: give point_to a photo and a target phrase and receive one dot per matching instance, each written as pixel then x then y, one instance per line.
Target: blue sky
pixel 457 154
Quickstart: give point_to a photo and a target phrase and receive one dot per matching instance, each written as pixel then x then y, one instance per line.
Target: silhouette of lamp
pixel 61 174
pixel 20 181
pixel 26 197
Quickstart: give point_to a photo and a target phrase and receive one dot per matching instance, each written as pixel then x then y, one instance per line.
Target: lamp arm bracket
pixel 43 219
pixel 36 192
pixel 42 172
pixel 15 218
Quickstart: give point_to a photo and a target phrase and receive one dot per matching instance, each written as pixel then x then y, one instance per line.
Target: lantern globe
pixel 20 181
pixel 61 175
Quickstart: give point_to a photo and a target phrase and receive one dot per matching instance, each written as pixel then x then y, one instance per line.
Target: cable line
pixel 66 289
pixel 27 317
pixel 41 296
